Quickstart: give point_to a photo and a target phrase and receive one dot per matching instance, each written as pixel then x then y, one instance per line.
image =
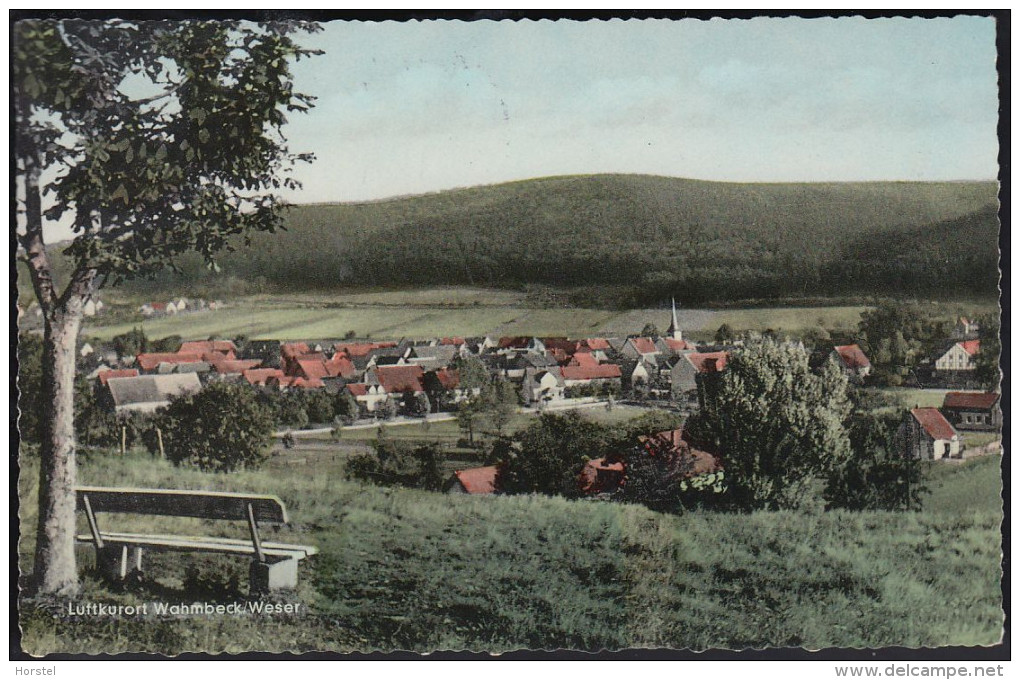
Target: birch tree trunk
pixel 55 568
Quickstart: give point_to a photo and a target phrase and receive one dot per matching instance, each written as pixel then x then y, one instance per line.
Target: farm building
pixel 853 361
pixel 929 436
pixel 980 411
pixel 479 481
pixel 146 393
pixel 959 356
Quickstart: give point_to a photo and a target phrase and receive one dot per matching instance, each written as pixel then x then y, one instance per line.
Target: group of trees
pixel 395 463
pixel 491 402
pixel 787 437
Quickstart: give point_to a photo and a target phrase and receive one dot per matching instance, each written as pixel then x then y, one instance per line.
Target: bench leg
pixel 267 576
pixel 116 561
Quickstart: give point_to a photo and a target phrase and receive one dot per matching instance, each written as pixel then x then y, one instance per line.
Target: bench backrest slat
pixel 181 503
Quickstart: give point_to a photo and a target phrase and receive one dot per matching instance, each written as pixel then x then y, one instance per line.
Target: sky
pixel 414 107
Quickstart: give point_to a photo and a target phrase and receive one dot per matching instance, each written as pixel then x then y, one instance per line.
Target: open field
pixel 403 569
pixel 465 311
pixel 289 319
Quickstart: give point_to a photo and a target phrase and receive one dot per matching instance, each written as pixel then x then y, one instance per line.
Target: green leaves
pixel 184 168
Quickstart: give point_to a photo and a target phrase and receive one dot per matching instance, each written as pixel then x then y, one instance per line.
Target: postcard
pixel 497 334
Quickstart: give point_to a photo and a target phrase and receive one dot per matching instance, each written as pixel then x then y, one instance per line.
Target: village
pixel 392 381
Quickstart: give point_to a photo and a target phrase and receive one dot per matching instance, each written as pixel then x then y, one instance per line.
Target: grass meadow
pixel 412 570
pixel 465 312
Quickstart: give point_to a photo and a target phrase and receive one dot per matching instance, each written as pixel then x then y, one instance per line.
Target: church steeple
pixel 674 326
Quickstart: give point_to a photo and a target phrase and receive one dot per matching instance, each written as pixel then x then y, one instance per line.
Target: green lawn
pixel 424 314
pixel 404 569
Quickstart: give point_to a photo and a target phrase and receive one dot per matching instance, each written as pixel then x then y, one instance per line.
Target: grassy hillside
pixel 402 569
pixel 642 238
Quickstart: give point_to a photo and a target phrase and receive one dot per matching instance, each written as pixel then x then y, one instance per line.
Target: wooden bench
pixel 273 566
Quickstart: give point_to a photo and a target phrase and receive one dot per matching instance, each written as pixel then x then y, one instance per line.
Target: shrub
pixel 221 428
pixel 394 463
pixel 877 476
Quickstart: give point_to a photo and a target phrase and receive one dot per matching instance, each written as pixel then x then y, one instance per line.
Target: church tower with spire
pixel 674 331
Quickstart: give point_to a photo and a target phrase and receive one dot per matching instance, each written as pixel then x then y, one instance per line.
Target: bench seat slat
pixel 184 503
pixel 202 544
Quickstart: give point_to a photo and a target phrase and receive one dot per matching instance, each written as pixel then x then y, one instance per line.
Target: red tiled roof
pixel 852 356
pixel 971 347
pixel 708 362
pixel 341 366
pixel 976 400
pixel 583 359
pixel 360 349
pixel 567 346
pixel 480 480
pixel 199 346
pixel 452 341
pixel 644 345
pixel 260 376
pixel 677 345
pixel 357 389
pixel 398 379
pixel 234 366
pixel 117 373
pixel 448 378
pixel 597 343
pixel 934 423
pixel 598 476
pixel 519 342
pixel 290 350
pixel 313 369
pixel 150 361
pixel 590 372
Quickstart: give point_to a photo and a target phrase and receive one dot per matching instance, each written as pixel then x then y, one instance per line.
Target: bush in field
pixel 221 428
pixel 877 476
pixel 395 463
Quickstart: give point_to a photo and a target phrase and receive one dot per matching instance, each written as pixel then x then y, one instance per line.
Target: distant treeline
pixel 644 239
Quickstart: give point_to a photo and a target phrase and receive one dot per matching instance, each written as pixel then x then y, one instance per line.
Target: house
pixel 980 411
pixel 639 348
pixel 583 359
pixel 542 386
pixel 396 381
pixel 600 476
pixel 927 435
pixel 150 361
pixel 853 361
pixel 91 307
pixel 443 388
pixel 86 350
pixel 104 376
pixel 432 358
pixel 232 369
pixel 596 344
pixel 687 370
pixel 479 481
pixel 965 329
pixel 959 356
pixel 368 397
pixel 171 308
pixel 268 352
pixel 226 348
pixel 606 476
pixel 260 376
pixel 509 345
pixel 146 393
pixel 599 374
pixel 673 346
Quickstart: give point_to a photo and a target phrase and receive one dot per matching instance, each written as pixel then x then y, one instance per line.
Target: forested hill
pixel 647 237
